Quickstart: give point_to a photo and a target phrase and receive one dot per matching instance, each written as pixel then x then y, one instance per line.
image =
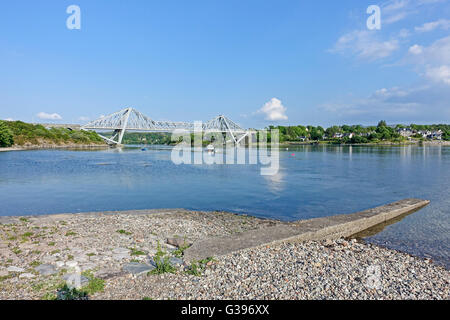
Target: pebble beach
pixel 115 256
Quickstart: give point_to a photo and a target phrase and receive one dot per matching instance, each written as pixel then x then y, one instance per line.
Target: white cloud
pixel 439 74
pixel 433 61
pixel 49 116
pixel 9 119
pixel 438 53
pixel 389 93
pixel 396 10
pixel 430 26
pixel 274 110
pixel 404 33
pixel 394 5
pixel 82 118
pixel 364 44
pixel 415 49
pixel 427 103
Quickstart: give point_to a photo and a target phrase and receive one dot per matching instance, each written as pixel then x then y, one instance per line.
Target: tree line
pixel 355 133
pixel 21 133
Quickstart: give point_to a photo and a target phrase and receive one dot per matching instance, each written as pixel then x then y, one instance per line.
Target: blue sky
pixel 258 62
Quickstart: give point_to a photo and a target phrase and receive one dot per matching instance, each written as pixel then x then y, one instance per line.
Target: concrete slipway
pixel 333 227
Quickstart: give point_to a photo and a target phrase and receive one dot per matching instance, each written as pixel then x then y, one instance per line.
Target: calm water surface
pixel 313 181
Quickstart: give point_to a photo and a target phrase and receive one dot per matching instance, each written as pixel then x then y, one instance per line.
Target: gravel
pixel 37 253
pixel 311 270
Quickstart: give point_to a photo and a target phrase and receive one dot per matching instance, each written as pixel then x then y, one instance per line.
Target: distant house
pixel 405 132
pixel 424 133
pixel 437 135
pixel 349 135
pixel 338 135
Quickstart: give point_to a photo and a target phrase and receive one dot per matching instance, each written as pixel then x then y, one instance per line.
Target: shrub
pixel 67 293
pixel 23 133
pixel 6 135
pixel 162 262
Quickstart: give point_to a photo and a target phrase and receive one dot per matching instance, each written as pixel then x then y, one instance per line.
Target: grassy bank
pixel 17 133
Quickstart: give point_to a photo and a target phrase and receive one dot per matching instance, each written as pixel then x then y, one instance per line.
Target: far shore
pixel 281 145
pixel 384 143
pixel 55 146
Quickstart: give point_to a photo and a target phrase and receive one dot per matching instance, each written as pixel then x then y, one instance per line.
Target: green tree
pixel 6 136
pixel 382 123
pixel 332 131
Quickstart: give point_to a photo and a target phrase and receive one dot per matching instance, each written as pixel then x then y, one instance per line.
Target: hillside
pixel 17 133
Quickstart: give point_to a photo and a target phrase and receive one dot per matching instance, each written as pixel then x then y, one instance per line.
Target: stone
pixel 75 280
pixel 108 273
pixel 328 243
pixel 81 258
pixel 46 269
pixel 3 273
pixel 88 266
pixel 136 268
pixel 121 251
pixel 178 242
pixel 60 264
pixel 26 276
pixel 176 261
pixel 121 256
pixel 15 269
pixel 71 264
pixel 151 262
pixel 49 259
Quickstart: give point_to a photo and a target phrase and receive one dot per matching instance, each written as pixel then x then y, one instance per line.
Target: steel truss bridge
pixel 129 119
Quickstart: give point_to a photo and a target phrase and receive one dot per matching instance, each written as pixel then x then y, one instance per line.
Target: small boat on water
pixel 210 148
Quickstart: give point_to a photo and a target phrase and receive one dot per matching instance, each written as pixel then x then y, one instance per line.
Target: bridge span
pixel 129 119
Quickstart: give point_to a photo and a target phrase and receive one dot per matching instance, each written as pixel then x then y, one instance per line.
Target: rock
pixel 170 247
pixel 121 251
pixel 136 268
pixel 88 266
pixel 328 243
pixel 96 258
pixel 49 259
pixel 81 258
pixel 177 242
pixel 26 276
pixel 46 269
pixel 3 273
pixel 121 256
pixel 75 280
pixel 108 273
pixel 60 264
pixel 151 262
pixel 176 261
pixel 15 269
pixel 71 264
